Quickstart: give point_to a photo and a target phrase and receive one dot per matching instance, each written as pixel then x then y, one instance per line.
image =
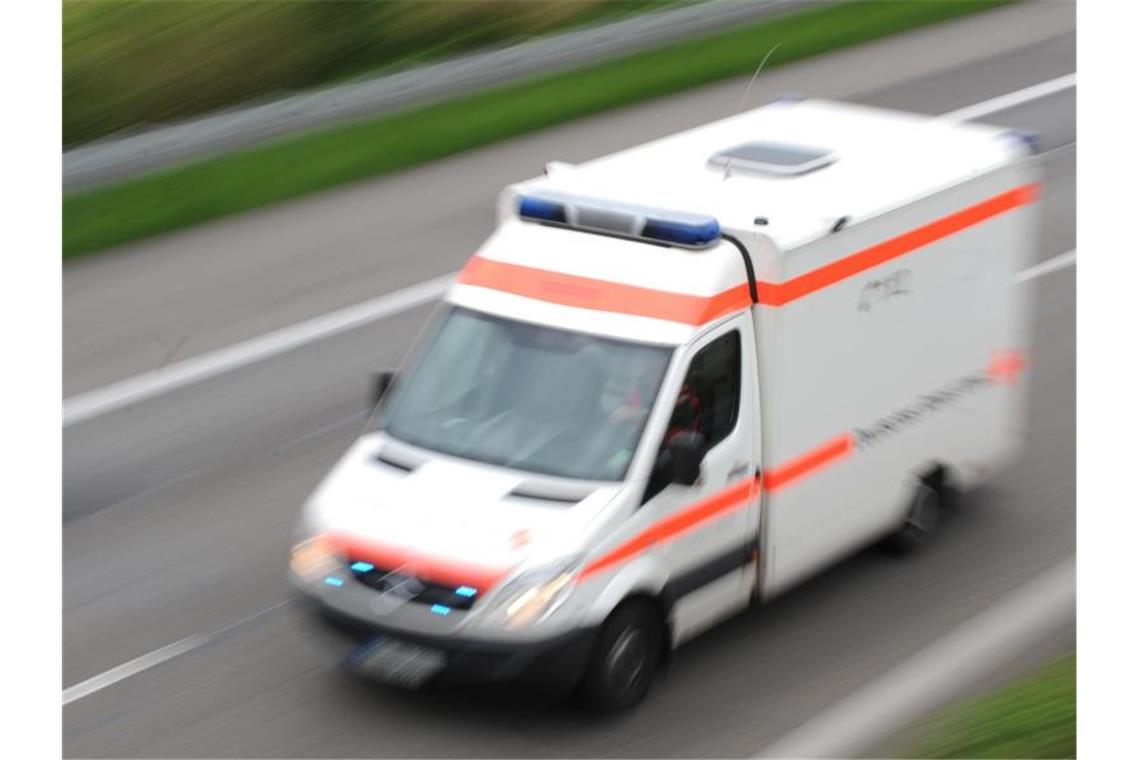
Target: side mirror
pixel 681 458
pixel 381 382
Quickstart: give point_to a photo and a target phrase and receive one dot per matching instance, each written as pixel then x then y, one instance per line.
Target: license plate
pixel 397 662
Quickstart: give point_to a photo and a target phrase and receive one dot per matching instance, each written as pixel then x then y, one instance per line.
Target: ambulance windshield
pixel 526 396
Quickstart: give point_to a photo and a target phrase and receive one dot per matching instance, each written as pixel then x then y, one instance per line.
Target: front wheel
pixel 625 659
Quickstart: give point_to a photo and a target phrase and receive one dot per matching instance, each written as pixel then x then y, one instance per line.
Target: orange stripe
pixel 603 295
pixel 778 294
pixel 720 503
pixel 588 293
pixel 781 476
pixel 437 570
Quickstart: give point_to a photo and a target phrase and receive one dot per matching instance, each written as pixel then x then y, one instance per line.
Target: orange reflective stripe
pixel 1005 366
pixel 445 571
pixel 778 477
pixel 720 503
pixel 778 294
pixel 602 295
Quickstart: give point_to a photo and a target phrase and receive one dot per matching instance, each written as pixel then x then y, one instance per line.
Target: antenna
pixel 747 90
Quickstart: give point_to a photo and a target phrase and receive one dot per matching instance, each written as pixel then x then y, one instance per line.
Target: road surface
pixel 178 509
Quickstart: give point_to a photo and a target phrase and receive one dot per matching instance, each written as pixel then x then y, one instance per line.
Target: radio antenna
pixel 747 91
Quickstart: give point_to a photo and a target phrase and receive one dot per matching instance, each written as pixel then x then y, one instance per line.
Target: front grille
pixel 412 589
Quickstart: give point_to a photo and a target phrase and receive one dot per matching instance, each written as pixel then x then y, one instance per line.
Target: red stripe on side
pixel 778 294
pixel 602 295
pixel 783 475
pixel 447 572
pixel 731 498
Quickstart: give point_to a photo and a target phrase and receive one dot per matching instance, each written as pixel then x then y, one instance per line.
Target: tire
pixel 625 658
pixel 921 521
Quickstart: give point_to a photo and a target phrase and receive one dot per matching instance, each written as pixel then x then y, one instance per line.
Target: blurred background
pixel 262 201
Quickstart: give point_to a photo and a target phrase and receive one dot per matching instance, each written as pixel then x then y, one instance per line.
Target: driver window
pixel 710 395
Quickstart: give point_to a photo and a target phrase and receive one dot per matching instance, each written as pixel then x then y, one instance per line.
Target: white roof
pixel 883 159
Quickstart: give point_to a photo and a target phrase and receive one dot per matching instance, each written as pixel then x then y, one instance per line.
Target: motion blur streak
pixel 953 662
pixel 1045 267
pixel 170 651
pixel 1003 102
pixel 128 669
pixel 159 656
pixel 85 406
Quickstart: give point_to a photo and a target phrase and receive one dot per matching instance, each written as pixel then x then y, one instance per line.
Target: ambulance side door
pixel 710 528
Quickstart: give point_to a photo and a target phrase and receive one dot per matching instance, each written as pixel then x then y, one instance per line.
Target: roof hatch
pixel 773 158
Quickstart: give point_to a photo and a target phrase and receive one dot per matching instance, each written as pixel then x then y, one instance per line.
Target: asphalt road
pixel 178 510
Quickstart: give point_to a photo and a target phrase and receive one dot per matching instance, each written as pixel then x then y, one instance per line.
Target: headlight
pixel 314 557
pixel 535 594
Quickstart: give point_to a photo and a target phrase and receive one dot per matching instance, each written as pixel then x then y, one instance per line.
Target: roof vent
pixel 783 159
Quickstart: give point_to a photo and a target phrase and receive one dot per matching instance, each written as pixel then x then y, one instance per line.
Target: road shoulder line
pixel 925 681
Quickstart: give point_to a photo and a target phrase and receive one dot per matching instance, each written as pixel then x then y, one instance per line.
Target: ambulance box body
pixel 678 380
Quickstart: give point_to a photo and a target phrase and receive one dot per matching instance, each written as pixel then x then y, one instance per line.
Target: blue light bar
pixel 621 219
pixel 695 234
pixel 466 591
pixel 540 210
pixel 361 567
pixel 330 580
pixel 441 609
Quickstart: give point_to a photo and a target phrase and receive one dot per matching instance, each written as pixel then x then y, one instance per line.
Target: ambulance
pixel 676 381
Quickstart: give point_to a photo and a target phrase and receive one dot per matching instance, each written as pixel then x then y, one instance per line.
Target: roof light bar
pixel 676 228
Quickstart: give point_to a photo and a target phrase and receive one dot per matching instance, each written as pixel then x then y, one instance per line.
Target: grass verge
pixel 1033 718
pixel 190 194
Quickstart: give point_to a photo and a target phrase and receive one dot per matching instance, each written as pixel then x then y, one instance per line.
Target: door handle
pixel 737 470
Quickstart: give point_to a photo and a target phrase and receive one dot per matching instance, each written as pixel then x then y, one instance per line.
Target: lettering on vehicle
pixel 883 289
pixel 923 407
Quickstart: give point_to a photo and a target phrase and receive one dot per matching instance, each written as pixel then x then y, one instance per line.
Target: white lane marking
pixel 94 403
pixel 85 406
pixel 128 669
pixel 158 656
pixel 954 662
pixel 1054 264
pixel 1012 99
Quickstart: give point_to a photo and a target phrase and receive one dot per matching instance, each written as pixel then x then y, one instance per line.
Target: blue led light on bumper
pixel 441 609
pixel 331 581
pixel 361 567
pixel 676 228
pixel 466 591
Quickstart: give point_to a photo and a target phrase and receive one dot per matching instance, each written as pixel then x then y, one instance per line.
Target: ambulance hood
pixel 449 520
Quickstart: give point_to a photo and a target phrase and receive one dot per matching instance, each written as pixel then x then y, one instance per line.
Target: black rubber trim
pixel 747 265
pixel 712 570
pixel 393 463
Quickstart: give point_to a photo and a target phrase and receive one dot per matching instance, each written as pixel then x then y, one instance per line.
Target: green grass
pixel 128 63
pixel 1033 718
pixel 195 193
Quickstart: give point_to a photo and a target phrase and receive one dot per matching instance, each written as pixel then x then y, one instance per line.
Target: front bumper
pixel 556 663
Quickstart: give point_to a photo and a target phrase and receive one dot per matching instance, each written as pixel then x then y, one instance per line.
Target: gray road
pixel 178 510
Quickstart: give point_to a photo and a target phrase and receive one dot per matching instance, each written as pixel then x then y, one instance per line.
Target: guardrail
pixel 122 156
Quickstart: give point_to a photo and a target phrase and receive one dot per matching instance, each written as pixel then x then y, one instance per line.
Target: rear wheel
pixel 922 519
pixel 625 659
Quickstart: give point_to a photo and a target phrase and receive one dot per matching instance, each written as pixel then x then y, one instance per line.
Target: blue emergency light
pixel 675 228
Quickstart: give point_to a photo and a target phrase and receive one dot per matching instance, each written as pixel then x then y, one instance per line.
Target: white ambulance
pixel 676 381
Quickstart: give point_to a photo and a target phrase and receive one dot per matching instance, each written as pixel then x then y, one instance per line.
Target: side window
pixel 709 401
